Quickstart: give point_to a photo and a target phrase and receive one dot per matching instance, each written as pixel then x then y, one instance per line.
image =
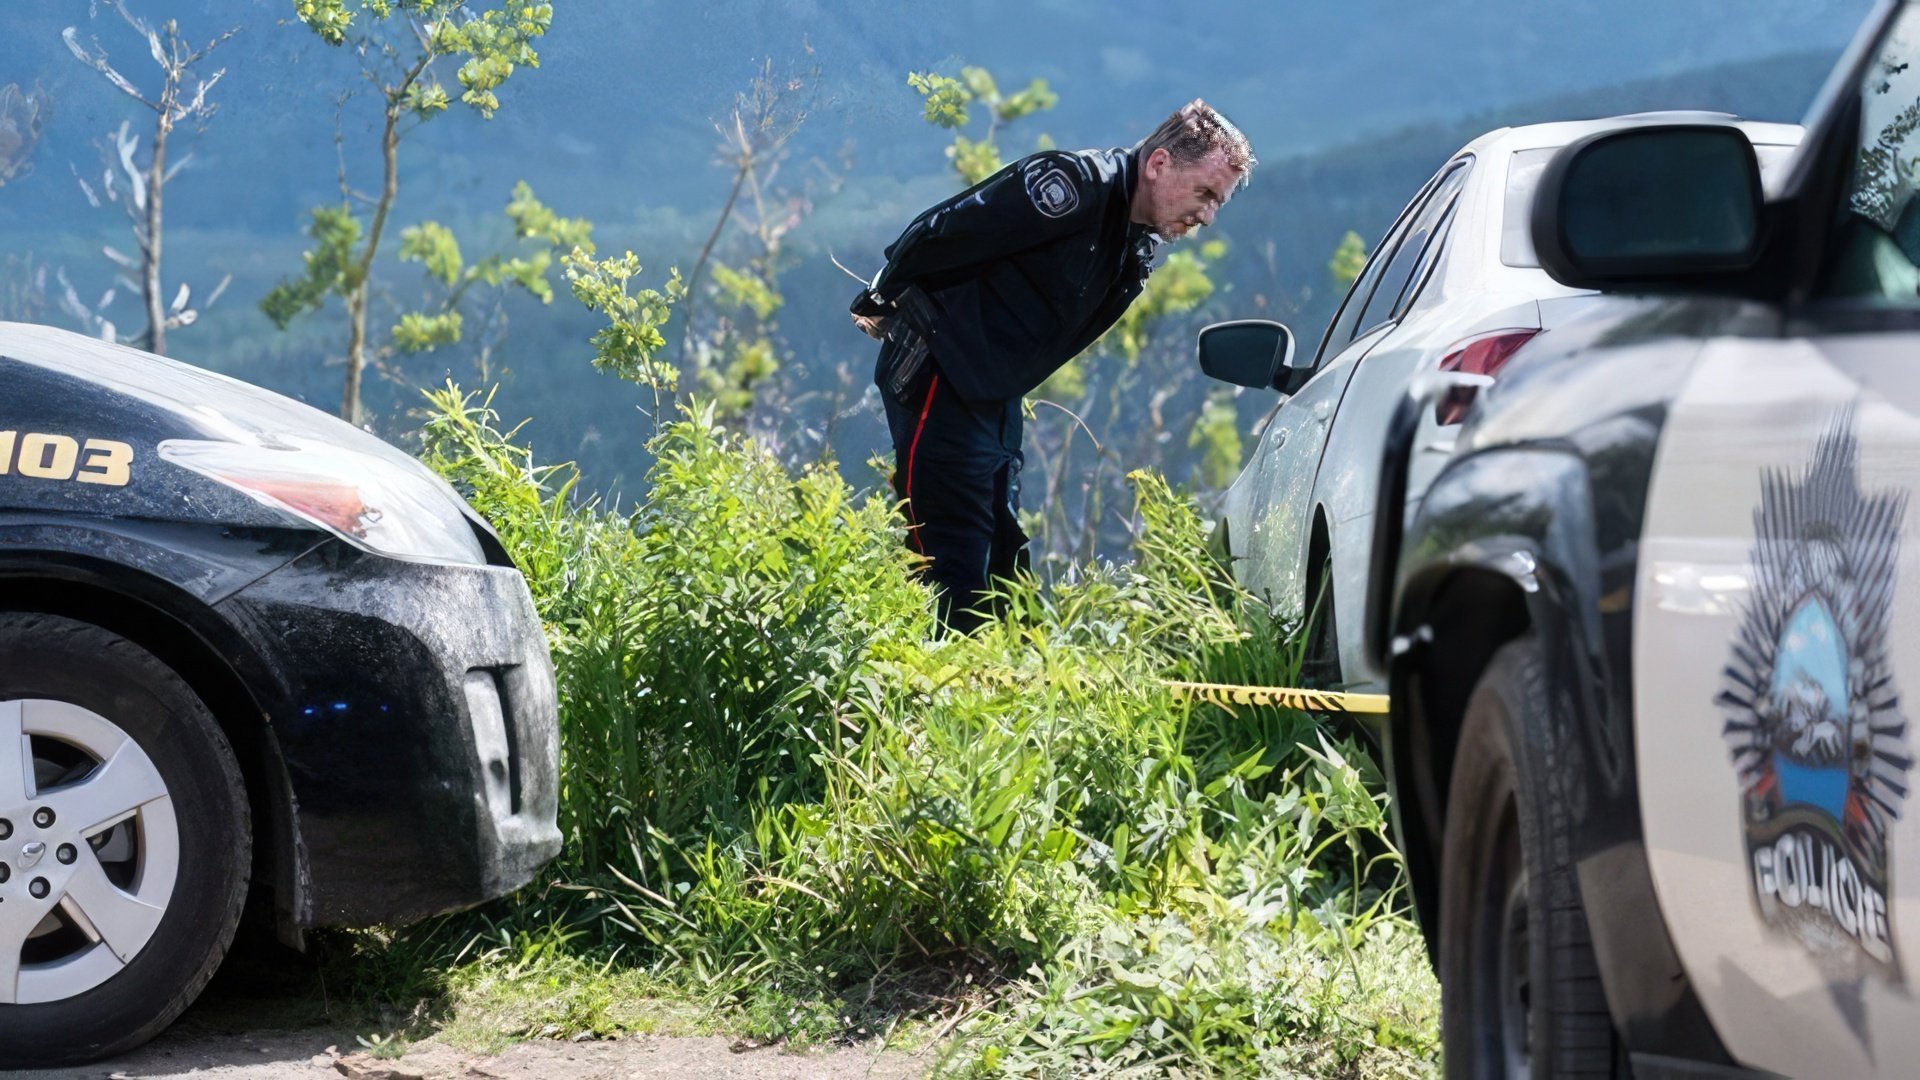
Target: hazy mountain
pixel 620 112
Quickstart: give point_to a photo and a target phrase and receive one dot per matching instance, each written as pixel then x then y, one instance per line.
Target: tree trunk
pixel 700 264
pixel 357 299
pixel 150 280
pixel 356 353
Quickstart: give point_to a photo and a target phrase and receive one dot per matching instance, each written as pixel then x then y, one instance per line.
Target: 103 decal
pixel 107 462
pixel 1812 717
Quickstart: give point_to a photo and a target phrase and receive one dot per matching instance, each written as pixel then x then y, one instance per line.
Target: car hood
pixel 202 403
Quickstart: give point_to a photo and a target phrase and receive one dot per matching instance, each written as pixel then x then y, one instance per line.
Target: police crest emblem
pixel 1053 193
pixel 1812 717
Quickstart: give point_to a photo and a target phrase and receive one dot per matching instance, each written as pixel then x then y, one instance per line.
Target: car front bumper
pixel 415 714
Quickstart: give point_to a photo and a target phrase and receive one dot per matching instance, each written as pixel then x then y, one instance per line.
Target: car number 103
pixel 63 457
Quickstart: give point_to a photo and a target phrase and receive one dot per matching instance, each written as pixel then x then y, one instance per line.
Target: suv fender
pixel 1507 542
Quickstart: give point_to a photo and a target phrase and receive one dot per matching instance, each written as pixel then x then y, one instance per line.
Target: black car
pixel 243 646
pixel 1646 635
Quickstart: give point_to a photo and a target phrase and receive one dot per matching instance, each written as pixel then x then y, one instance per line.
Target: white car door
pixel 1291 448
pixel 1777 632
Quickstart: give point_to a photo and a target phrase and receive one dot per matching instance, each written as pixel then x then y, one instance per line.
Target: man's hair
pixel 1196 130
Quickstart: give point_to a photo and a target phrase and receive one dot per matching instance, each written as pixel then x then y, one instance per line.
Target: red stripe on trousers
pixel 913 518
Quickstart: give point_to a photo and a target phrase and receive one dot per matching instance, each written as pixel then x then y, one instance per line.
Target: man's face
pixel 1181 198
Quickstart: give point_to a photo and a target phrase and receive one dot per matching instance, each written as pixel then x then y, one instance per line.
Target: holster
pixel 908 364
pixel 916 307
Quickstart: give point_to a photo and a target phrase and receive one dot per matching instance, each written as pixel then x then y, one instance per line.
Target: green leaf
pixel 1218 433
pixel 433 244
pixel 532 219
pixel 420 332
pixel 330 269
pixel 425 99
pixel 946 99
pixel 495 43
pixel 1178 286
pixel 491 43
pixel 980 83
pixel 1348 259
pixel 530 273
pixel 975 161
pixel 746 289
pixel 1035 98
pixel 626 347
pixel 328 18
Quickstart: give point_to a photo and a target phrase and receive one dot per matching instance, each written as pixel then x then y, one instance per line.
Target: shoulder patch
pixel 1053 192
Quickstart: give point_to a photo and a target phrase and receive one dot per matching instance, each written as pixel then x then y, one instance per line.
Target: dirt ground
pixel 275 1055
pixel 273 1016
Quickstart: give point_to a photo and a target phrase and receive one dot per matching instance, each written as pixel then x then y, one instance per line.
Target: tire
pixel 76 1011
pixel 1507 872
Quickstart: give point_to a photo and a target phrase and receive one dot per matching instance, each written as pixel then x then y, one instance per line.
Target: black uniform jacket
pixel 1021 271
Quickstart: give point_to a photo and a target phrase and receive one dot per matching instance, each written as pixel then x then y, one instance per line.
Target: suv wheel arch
pixel 1472 614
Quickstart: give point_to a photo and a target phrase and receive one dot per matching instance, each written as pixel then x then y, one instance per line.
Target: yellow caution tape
pixel 1225 695
pixel 1228 695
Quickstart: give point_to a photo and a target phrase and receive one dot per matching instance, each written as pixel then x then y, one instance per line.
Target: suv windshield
pixel 1879 234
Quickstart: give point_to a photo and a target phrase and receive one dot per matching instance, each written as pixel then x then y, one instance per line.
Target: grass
pixel 797 812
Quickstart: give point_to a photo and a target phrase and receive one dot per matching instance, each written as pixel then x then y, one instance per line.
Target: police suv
pixel 1648 634
pixel 243 645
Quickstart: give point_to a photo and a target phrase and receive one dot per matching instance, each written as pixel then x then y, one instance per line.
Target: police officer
pixel 986 294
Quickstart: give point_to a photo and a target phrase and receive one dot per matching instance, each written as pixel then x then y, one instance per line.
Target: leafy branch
pixel 404 40
pixel 434 246
pixel 628 346
pixel 947 106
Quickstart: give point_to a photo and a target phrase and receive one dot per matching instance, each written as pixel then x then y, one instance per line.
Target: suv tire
pixel 1520 990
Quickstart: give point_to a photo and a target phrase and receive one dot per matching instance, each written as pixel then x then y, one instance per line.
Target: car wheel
pixel 124 842
pixel 1520 991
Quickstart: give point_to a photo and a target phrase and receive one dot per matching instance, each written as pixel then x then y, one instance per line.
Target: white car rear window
pixel 1523 176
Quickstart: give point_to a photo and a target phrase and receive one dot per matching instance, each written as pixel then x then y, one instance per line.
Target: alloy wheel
pixel 89 850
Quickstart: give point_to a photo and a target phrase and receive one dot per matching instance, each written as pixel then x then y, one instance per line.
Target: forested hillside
pixel 624 126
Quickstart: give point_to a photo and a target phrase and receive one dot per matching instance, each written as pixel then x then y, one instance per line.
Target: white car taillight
pixel 366 502
pixel 1482 354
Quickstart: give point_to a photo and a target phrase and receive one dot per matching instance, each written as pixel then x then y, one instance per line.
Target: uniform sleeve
pixel 1034 200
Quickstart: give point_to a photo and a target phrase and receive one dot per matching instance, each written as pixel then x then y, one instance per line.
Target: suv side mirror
pixel 1256 353
pixel 1649 204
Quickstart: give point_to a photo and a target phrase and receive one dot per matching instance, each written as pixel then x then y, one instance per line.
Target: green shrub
pixel 780 782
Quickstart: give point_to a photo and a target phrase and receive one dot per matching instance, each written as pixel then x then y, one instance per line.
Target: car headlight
pixel 367 502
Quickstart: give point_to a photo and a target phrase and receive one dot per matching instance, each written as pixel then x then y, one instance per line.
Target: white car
pixel 1454 286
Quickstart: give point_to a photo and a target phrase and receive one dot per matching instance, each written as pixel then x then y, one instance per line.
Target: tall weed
pixel 781 783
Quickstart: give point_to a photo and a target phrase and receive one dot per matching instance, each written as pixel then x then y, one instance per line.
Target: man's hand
pixel 874 326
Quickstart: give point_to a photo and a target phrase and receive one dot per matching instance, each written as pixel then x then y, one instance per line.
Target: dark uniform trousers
pixel 957 475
